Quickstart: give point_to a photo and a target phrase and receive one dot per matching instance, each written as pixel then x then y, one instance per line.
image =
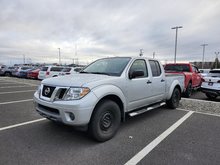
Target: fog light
pixel 72 116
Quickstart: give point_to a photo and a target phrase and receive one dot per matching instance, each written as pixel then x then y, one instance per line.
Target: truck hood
pixel 74 80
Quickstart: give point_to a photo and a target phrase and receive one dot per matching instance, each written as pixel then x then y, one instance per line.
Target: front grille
pixel 47 91
pixel 48 109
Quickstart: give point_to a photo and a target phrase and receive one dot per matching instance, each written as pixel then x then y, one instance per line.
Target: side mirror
pixel 137 73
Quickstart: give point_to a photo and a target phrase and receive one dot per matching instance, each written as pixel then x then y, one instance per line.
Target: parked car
pixel 211 84
pixel 69 70
pixel 2 70
pixel 106 91
pixel 6 70
pixel 204 72
pixel 49 71
pixel 33 74
pixel 22 72
pixel 193 78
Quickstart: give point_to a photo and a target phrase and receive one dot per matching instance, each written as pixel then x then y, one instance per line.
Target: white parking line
pixel 14 86
pixel 7 83
pixel 16 92
pixel 204 113
pixel 21 124
pixel 140 155
pixel 19 101
pixel 18 82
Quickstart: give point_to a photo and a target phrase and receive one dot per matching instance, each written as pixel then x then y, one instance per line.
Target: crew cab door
pixel 158 81
pixel 138 88
pixel 196 77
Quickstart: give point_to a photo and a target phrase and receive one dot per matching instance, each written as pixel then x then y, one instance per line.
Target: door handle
pixel 149 82
pixel 162 80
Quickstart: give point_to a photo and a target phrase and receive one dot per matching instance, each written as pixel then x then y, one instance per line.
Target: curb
pixel 200 105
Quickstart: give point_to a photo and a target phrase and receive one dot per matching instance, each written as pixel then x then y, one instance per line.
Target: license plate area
pixel 210 83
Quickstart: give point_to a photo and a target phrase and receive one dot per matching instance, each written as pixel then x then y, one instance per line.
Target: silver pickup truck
pixel 106 92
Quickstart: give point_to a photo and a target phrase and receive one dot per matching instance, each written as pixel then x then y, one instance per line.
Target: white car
pixel 204 72
pixel 49 71
pixel 67 71
pixel 211 84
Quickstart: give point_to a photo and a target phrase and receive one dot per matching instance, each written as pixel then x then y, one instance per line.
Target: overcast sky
pixel 103 28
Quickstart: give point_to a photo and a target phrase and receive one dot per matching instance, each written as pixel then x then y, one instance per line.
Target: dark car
pixel 2 70
pixel 6 70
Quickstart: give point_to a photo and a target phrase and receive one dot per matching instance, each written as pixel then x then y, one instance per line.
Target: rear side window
pixel 56 69
pixel 44 69
pixel 195 69
pixel 177 68
pixel 11 67
pixel 25 68
pixel 66 70
pixel 155 68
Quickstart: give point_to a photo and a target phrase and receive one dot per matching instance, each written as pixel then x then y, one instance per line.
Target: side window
pixel 56 69
pixel 195 69
pixel 139 65
pixel 155 68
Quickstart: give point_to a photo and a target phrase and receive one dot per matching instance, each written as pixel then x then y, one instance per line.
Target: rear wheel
pixel 173 102
pixel 211 96
pixel 188 91
pixel 105 121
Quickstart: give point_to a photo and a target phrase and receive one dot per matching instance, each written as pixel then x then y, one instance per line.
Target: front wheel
pixel 173 102
pixel 105 121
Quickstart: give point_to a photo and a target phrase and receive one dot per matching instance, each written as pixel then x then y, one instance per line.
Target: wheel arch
pixel 174 85
pixel 115 99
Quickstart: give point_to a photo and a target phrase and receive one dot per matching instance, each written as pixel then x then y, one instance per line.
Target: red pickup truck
pixel 193 79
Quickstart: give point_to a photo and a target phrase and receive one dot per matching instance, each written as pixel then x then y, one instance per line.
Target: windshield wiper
pixel 84 72
pixel 95 73
pixel 100 73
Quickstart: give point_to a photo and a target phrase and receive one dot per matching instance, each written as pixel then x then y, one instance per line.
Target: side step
pixel 146 109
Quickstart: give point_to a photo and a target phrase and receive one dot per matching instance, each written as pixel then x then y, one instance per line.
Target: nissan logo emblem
pixel 47 91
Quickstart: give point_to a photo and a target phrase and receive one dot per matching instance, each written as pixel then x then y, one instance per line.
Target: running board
pixel 146 109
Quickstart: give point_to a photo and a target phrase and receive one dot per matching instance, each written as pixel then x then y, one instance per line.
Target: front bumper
pixel 75 112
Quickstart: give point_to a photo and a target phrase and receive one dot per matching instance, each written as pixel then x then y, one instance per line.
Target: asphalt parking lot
pixel 160 136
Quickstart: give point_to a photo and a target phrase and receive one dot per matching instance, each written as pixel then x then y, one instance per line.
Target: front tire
pixel 173 102
pixel 105 121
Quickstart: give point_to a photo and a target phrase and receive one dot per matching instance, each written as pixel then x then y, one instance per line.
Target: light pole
pixel 23 58
pixel 153 54
pixel 141 52
pixel 203 55
pixel 216 65
pixel 59 56
pixel 177 27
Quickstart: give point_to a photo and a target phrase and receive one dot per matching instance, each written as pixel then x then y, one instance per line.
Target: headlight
pixel 76 93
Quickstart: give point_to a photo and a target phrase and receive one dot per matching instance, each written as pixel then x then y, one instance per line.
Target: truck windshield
pixel 108 66
pixel 177 68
